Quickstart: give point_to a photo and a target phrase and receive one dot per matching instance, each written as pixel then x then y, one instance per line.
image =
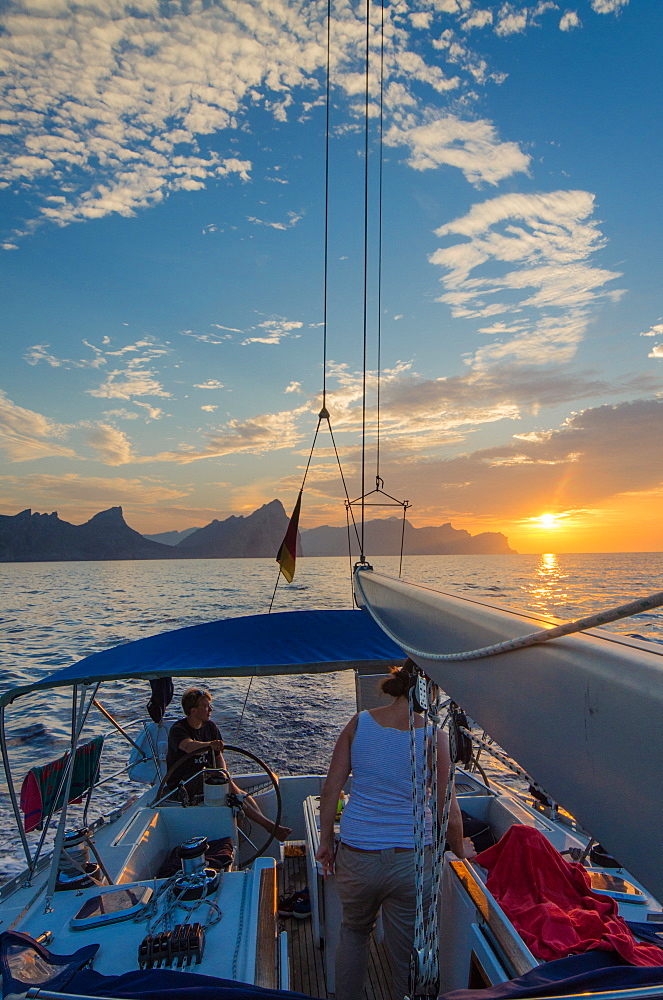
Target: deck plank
pixel 307 973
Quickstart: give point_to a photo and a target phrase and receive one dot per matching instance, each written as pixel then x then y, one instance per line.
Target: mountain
pixel 382 537
pixel 170 537
pixel 28 537
pixel 258 535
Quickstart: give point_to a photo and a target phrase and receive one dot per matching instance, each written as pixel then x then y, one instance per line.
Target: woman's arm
pixel 461 846
pixel 338 773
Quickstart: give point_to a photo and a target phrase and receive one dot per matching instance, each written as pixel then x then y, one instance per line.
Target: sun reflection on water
pixel 547 591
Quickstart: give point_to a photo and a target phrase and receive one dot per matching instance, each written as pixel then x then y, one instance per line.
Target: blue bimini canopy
pixel 291 642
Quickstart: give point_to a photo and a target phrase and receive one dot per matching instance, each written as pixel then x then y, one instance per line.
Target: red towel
pixel 550 903
pixel 41 783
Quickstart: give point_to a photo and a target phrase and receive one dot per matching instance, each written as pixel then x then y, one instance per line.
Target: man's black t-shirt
pixel 181 730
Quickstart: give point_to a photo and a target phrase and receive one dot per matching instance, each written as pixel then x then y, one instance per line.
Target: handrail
pixel 10 787
pixel 32 860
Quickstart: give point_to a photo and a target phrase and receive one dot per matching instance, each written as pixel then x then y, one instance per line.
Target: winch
pixel 196 880
pixel 75 869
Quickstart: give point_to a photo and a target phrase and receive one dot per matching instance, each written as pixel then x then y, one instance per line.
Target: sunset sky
pixel 162 229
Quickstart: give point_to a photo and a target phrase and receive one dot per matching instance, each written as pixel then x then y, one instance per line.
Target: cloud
pixel 477 19
pixel 111 445
pixel 419 416
pixel 121 414
pixel 416 414
pixel 124 384
pixel 569 21
pixel 275 331
pixel 209 408
pixel 471 146
pixel 92 492
pixel 153 412
pixel 293 219
pixel 38 354
pixel 113 105
pixel 513 20
pixel 420 19
pixel 27 435
pixel 655 331
pixel 460 55
pixel 266 432
pixel 137 354
pixel 212 383
pixel 207 338
pixel 608 6
pixel 527 256
pixel 294 387
pixel 595 455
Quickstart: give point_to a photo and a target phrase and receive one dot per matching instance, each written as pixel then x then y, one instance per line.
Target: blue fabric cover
pixel 647 932
pixel 289 642
pixel 591 972
pixel 170 984
pixel 24 964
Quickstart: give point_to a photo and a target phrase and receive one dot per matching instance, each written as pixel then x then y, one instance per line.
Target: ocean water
pixel 52 614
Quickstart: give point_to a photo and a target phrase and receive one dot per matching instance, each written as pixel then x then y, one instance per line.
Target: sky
pixel 493 265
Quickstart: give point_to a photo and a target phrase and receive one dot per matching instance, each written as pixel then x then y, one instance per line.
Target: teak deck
pixel 307 973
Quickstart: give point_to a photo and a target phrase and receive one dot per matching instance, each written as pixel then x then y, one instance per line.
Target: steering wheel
pixel 273 779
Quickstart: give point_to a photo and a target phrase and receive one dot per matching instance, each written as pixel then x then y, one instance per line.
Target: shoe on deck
pixel 297 905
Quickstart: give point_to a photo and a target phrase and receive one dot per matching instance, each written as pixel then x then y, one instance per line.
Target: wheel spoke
pixel 247 838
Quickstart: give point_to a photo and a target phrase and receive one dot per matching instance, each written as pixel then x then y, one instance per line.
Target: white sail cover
pixel 582 714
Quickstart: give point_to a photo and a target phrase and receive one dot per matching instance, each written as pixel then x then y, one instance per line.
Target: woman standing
pixel 374 865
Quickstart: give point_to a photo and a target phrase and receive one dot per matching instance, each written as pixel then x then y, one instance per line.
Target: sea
pixel 53 614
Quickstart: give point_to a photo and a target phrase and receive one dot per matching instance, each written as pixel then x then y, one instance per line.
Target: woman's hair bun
pixel 401 679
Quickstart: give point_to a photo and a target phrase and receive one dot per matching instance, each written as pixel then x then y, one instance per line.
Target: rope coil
pixel 424 967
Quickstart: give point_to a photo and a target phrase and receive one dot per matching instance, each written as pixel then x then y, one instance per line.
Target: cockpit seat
pixel 153 738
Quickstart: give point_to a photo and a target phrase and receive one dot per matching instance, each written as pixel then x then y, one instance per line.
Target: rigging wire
pixel 362 500
pixel 365 318
pixel 378 479
pixel 326 251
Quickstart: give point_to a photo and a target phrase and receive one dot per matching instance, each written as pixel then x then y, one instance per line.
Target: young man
pixel 197 742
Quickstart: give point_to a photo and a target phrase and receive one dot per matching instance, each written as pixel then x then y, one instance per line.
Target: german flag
pixel 287 554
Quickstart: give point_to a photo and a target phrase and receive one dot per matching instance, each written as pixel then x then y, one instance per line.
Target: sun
pixel 547 521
